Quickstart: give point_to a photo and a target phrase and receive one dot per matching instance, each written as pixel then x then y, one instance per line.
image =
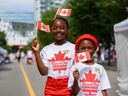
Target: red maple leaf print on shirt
pixel 90 83
pixel 60 57
pixel 90 77
pixel 59 62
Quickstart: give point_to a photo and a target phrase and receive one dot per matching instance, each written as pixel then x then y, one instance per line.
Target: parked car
pixel 4 58
pixel 1 59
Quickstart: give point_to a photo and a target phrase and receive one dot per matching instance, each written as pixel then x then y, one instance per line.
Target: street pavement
pixel 112 75
pixel 13 83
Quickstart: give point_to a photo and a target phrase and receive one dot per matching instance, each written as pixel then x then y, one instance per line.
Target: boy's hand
pixel 76 74
pixel 35 45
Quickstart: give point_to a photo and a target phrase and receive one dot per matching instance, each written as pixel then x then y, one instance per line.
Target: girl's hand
pixel 35 45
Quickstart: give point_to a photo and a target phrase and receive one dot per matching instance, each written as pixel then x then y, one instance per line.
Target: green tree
pixel 44 37
pixel 89 16
pixel 96 17
pixel 3 42
pixel 2 39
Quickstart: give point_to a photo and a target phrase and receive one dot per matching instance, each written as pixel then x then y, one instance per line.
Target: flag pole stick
pixel 35 29
pixel 56 13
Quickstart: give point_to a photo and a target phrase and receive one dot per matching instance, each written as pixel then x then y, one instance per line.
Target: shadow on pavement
pixel 3 68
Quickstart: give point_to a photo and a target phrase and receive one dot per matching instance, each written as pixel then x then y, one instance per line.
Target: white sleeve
pixel 43 55
pixel 71 78
pixel 105 84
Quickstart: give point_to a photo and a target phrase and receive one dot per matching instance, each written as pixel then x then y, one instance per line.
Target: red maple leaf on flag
pixel 43 26
pixel 81 56
pixel 64 12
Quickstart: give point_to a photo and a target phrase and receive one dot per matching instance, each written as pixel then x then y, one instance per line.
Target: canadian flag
pixel 84 56
pixel 43 27
pixel 64 12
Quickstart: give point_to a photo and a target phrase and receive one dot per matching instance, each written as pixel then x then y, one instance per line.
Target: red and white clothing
pixel 59 59
pixel 93 79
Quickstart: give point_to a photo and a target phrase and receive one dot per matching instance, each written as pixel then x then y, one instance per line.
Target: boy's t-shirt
pixel 59 59
pixel 93 79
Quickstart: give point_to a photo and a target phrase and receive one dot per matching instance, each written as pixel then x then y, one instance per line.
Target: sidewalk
pixel 112 75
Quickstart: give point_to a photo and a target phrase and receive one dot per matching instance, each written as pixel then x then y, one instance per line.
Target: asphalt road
pixel 21 80
pixel 24 80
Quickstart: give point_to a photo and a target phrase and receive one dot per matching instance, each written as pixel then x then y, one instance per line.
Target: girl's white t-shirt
pixel 59 59
pixel 93 79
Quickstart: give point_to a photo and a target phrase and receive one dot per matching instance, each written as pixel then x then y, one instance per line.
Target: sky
pixel 17 10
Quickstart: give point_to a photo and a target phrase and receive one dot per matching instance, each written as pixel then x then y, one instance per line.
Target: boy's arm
pixel 75 86
pixel 104 92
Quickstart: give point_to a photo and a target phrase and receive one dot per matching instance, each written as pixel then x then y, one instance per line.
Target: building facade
pixel 17 33
pixel 43 5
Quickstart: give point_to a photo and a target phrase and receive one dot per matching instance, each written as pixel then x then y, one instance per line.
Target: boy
pixel 88 78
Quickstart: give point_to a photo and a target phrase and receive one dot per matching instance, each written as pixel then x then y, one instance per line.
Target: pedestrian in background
pixel 18 55
pixel 29 56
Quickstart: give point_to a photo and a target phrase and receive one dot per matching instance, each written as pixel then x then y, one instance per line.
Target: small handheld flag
pixel 84 56
pixel 64 12
pixel 43 27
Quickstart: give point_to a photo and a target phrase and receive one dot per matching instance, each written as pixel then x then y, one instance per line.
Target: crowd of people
pixel 13 57
pixel 106 55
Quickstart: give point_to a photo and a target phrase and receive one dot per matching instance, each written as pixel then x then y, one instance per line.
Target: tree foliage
pixel 96 17
pixel 46 38
pixel 2 39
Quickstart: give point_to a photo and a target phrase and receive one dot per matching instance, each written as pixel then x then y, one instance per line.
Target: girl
pixel 56 59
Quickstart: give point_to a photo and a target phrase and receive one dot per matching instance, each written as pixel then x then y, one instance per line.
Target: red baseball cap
pixel 86 36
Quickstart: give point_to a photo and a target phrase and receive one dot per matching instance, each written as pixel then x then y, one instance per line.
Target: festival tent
pixel 121 38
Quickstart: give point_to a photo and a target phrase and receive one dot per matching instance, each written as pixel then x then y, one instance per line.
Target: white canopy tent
pixel 121 37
